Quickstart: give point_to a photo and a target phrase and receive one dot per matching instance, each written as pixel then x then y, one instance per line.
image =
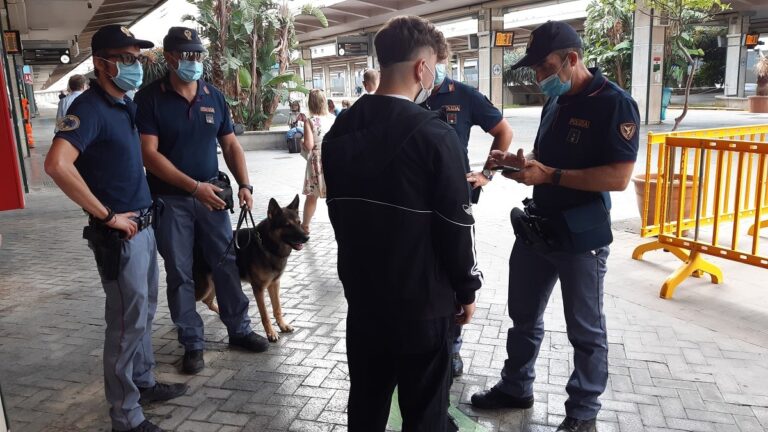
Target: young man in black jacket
pixel 399 204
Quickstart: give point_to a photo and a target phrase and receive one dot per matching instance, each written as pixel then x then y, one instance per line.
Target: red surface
pixel 11 193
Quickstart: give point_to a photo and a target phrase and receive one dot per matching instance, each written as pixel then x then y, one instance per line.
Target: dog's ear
pixel 274 209
pixel 294 205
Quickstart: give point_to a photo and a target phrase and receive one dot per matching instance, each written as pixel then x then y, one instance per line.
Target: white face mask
pixel 425 91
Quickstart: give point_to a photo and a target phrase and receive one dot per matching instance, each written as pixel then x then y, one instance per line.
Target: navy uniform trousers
pixel 131 301
pixel 532 276
pixel 182 222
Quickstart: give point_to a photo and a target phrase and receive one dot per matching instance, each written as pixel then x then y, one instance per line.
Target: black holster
pixel 107 248
pixel 532 229
pixel 222 181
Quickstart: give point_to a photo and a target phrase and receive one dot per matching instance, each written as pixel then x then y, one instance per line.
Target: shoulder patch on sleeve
pixel 68 123
pixel 627 130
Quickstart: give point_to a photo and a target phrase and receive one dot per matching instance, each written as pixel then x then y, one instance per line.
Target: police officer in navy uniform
pixel 180 118
pixel 95 159
pixel 462 107
pixel 586 147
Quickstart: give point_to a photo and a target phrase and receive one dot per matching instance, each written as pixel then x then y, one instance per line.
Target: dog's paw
pixel 272 336
pixel 285 328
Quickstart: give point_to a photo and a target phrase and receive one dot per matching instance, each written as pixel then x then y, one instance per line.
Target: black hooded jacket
pixel 399 204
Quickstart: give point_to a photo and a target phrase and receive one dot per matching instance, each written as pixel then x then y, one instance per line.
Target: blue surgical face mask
pixel 552 86
pixel 439 73
pixel 129 77
pixel 189 70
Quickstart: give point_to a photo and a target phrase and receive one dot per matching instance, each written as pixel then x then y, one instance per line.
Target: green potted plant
pixel 759 102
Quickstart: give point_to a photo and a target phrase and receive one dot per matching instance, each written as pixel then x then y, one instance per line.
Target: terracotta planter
pixel 640 185
pixel 758 104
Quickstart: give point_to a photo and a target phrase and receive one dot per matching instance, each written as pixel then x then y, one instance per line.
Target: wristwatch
pixel 488 174
pixel 247 186
pixel 556 176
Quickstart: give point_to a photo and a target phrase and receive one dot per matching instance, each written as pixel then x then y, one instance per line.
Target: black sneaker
pixel 145 426
pixel 571 424
pixel 251 342
pixel 161 392
pixel 457 365
pixel 495 399
pixel 193 362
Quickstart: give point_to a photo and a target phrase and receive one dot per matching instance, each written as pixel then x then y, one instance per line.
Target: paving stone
pixel 652 415
pixel 195 426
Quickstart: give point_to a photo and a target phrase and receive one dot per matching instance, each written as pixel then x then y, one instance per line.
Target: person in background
pixel 344 106
pixel 333 109
pixel 371 81
pixel 462 107
pixel 316 126
pixel 76 87
pixel 295 122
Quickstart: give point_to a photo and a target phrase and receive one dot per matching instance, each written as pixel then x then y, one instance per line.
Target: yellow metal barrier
pixel 705 180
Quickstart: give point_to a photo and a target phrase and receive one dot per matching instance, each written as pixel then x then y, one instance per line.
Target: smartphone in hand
pixel 506 169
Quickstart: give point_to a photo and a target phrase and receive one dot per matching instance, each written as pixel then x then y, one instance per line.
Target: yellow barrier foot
pixel 695 264
pixel 763 224
pixel 639 251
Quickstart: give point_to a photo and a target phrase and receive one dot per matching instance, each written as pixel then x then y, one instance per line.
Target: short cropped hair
pixel 76 82
pixel 371 76
pixel 402 37
pixel 316 102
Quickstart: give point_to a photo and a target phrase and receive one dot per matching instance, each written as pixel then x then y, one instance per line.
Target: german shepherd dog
pixel 261 260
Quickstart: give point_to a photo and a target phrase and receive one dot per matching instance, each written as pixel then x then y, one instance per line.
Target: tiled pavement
pixel 668 371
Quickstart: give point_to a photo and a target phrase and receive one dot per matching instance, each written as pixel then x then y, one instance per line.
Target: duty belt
pixel 143 220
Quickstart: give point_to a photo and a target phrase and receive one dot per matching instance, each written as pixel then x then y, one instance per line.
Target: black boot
pixel 250 342
pixel 145 426
pixel 571 424
pixel 161 392
pixel 495 399
pixel 193 362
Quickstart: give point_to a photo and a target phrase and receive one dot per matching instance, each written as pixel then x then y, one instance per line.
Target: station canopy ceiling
pixel 72 22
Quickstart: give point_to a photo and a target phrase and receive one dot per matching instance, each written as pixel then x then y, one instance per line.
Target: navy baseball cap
pixel 116 36
pixel 182 39
pixel 547 38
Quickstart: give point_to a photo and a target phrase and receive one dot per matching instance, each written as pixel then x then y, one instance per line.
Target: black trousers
pixel 412 355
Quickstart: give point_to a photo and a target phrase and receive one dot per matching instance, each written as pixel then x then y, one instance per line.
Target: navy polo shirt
pixel 462 107
pixel 596 127
pixel 104 131
pixel 186 131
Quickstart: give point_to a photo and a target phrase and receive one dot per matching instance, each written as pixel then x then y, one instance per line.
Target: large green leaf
pixel 244 76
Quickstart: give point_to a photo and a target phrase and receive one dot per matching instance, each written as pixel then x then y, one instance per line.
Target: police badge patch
pixel 574 135
pixel 68 123
pixel 628 130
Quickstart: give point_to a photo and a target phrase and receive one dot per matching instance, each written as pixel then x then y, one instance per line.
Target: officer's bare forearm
pixel 234 156
pixel 502 137
pixel 605 178
pixel 63 172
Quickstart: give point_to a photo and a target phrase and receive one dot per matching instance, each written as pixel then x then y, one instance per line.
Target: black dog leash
pixel 245 214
